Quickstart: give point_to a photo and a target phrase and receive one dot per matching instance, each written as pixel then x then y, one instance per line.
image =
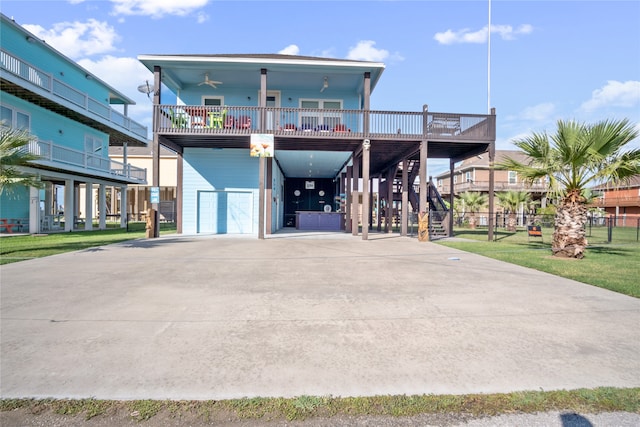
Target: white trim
pixel 260 60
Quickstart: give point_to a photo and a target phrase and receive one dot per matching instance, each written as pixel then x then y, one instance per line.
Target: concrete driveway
pixel 212 317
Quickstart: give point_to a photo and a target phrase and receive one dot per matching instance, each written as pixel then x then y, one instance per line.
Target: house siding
pixel 207 169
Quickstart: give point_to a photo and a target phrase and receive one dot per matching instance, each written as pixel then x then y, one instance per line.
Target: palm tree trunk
pixel 472 221
pixel 569 239
pixel 512 222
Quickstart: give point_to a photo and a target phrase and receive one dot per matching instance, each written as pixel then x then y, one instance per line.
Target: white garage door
pixel 225 212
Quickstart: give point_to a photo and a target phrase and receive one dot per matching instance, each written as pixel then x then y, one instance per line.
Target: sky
pixel 544 60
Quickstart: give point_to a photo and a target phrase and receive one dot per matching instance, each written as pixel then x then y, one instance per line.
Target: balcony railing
pixel 64 156
pixel 229 120
pixel 47 82
pixel 483 186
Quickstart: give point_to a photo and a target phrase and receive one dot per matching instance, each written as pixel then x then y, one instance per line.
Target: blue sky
pixel 550 60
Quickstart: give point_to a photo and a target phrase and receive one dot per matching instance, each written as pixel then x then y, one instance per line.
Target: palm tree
pixel 511 201
pixel 14 156
pixel 576 156
pixel 473 201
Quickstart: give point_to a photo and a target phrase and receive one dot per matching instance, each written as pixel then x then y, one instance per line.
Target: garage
pixel 225 212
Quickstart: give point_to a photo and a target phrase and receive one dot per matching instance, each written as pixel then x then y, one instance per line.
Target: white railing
pixel 48 151
pixel 46 81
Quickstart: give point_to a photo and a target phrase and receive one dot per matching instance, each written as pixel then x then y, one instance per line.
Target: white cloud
pixel 614 94
pixel 506 32
pixel 202 17
pixel 157 8
pixel 292 49
pixel 365 51
pixel 540 112
pixel 76 39
pixel 124 74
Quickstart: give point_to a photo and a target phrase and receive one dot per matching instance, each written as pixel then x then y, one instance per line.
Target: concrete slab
pixel 216 317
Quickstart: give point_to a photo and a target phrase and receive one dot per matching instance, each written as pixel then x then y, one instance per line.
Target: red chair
pixel 230 122
pixel 244 122
pixel 340 128
pixel 290 127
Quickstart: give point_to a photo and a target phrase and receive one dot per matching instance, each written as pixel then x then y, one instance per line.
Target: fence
pixel 599 229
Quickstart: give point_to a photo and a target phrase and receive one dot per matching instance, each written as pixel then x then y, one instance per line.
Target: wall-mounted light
pixel 325 83
pixel 60 131
pixel 248 98
pixel 290 99
pixel 88 76
pixel 31 39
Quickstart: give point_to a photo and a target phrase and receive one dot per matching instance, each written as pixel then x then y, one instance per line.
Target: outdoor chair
pixel 178 120
pixel 244 122
pixel 217 119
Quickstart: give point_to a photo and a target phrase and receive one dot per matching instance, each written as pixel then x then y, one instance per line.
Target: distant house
pixel 69 111
pixel 621 201
pixel 269 141
pixel 138 198
pixel 472 174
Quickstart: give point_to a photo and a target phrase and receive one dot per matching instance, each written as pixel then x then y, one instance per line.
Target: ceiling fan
pixel 208 82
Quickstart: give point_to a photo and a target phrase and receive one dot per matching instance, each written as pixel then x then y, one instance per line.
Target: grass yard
pixel 20 248
pixel 280 410
pixel 614 266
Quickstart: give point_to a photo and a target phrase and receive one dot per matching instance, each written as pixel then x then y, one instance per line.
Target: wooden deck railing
pixel 302 122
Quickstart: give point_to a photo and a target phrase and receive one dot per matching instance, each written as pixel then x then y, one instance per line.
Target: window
pixel 468 176
pixel 455 179
pixel 513 177
pixel 14 118
pixel 215 101
pixel 318 119
pixel 93 150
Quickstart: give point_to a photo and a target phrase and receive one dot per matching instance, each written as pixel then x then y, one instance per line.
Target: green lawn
pixel 614 266
pixel 19 248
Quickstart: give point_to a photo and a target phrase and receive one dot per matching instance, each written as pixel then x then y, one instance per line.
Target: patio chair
pixel 178 120
pixel 244 122
pixel 230 122
pixel 217 119
pixel 290 127
pixel 341 128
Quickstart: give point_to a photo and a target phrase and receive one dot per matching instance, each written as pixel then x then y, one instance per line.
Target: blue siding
pixel 15 204
pixel 46 125
pixel 44 57
pixel 207 169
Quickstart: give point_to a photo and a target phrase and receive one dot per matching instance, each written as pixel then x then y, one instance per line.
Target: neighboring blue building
pixel 325 138
pixel 68 110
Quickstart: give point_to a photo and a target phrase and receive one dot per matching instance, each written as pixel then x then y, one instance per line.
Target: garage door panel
pixel 225 212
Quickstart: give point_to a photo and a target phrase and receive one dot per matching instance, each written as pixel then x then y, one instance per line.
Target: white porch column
pixel 69 204
pixel 34 210
pixel 88 205
pixel 102 207
pixel 123 206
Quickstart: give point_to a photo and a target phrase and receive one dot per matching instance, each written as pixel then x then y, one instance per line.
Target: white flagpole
pixel 489 62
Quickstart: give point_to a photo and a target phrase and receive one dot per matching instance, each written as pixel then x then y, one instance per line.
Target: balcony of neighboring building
pixel 41 88
pixel 61 158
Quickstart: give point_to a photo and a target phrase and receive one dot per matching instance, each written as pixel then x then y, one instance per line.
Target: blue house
pixel 69 112
pixel 272 141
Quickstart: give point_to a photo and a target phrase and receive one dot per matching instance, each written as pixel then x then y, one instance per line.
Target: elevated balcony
pixel 25 81
pixel 483 186
pixel 394 135
pixel 58 157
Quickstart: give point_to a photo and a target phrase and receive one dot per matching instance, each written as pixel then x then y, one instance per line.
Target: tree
pixel 473 202
pixel 576 156
pixel 511 201
pixel 14 156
